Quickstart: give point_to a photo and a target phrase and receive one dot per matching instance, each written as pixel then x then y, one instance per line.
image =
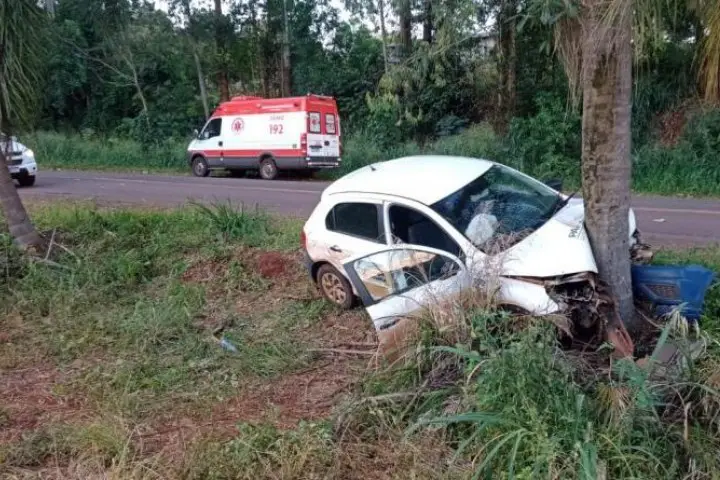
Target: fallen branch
pixel 343 351
pixel 50 245
pixel 49 263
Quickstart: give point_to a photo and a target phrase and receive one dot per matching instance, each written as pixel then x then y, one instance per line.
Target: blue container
pixel 668 286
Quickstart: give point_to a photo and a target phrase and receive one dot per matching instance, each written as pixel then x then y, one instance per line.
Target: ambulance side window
pixel 212 129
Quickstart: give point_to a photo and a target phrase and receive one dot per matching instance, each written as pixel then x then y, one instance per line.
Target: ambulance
pixel 269 135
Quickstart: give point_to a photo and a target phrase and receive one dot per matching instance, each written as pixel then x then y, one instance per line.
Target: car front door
pixel 399 282
pixel 209 142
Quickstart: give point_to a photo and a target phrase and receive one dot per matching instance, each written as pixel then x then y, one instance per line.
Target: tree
pixel 21 26
pixel 606 77
pixel 507 56
pixel 221 27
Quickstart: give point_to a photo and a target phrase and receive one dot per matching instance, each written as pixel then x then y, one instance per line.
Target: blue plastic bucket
pixel 667 287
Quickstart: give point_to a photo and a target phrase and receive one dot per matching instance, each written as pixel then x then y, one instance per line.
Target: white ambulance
pixel 269 135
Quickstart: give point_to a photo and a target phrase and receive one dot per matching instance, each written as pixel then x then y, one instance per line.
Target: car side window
pixel 356 219
pixel 410 226
pixel 212 129
pixel 393 272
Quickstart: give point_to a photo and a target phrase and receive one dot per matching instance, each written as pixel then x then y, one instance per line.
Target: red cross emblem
pixel 238 125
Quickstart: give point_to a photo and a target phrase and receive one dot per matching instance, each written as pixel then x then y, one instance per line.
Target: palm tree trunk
pixel 606 163
pixel 18 222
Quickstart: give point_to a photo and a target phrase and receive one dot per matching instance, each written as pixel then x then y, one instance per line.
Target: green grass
pixel 54 150
pixel 126 321
pixel 120 296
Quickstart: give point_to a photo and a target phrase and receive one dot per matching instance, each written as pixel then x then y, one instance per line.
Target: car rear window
pixel 330 124
pixel 314 122
pixel 356 219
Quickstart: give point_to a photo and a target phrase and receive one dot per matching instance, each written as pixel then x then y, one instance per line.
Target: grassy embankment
pixel 688 168
pixel 108 366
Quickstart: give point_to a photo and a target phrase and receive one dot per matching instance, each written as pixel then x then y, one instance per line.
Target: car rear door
pixel 400 281
pixel 353 227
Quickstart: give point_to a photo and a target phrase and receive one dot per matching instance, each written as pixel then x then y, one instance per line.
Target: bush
pixel 547 144
pixel 54 150
pixel 690 167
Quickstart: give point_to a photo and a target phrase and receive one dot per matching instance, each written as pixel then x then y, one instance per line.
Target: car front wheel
pixel 335 287
pixel 27 180
pixel 268 169
pixel 200 167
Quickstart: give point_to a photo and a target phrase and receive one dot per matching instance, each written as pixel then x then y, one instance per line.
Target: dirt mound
pixel 273 264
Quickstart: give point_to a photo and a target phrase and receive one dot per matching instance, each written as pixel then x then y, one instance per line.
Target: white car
pixel 20 161
pixel 399 234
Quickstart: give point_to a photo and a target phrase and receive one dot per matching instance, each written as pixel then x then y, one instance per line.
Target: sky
pixel 344 14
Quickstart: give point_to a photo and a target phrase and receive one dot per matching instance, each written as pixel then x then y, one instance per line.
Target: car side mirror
pixel 196 133
pixel 555 184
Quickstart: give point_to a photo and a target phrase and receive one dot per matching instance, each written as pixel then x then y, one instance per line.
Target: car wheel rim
pixel 199 168
pixel 268 170
pixel 333 288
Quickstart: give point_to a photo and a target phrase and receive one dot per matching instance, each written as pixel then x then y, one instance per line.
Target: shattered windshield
pixel 499 208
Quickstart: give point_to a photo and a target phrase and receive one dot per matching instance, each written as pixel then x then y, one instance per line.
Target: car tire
pixel 268 169
pixel 26 180
pixel 200 167
pixel 335 287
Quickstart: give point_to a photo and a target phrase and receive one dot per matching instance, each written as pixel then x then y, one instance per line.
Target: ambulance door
pixel 210 143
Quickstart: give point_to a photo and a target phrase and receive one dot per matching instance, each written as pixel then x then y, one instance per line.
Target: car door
pixel 399 281
pixel 210 143
pixel 352 227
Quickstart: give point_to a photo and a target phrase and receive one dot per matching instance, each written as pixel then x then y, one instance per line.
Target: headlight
pixel 29 153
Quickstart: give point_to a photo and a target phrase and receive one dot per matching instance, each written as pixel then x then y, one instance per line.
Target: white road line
pixel 235 187
pixel 677 210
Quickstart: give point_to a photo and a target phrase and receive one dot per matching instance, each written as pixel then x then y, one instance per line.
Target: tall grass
pixel 514 404
pixel 54 150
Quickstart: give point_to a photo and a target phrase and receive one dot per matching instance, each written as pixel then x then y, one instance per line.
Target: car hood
pixel 560 247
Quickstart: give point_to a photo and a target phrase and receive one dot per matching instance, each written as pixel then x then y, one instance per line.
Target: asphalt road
pixel 662 221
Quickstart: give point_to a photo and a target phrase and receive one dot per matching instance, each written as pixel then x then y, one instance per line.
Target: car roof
pixel 423 178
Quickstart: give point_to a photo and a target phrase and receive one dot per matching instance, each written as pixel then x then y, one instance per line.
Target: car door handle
pixel 335 248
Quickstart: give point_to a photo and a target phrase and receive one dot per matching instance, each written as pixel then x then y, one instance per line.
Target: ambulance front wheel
pixel 200 167
pixel 268 169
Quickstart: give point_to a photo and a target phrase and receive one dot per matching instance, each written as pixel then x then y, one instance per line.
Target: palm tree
pixel 21 44
pixel 708 13
pixel 595 40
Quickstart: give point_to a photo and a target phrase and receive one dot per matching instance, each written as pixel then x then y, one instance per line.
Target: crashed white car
pixel 20 160
pixel 403 233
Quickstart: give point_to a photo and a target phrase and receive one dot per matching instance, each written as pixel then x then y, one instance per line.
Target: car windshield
pixel 499 208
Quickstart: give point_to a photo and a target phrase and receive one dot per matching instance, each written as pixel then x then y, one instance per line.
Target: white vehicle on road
pixel 403 233
pixel 20 161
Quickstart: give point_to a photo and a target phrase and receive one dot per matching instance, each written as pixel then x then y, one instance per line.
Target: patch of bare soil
pixel 28 401
pixel 273 264
pixel 344 343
